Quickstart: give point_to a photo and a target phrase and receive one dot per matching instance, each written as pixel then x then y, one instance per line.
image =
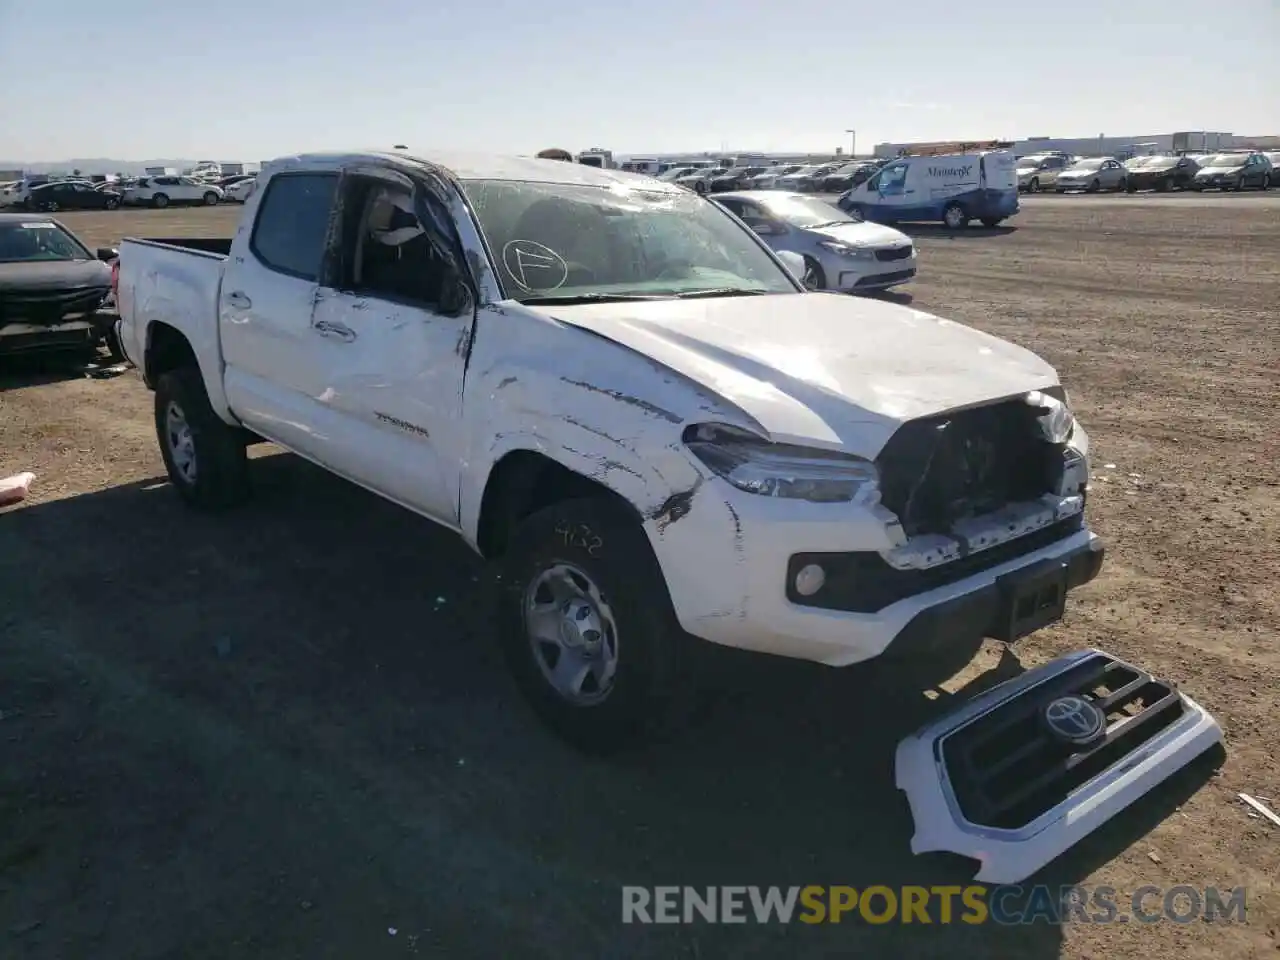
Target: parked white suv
pixel 165 191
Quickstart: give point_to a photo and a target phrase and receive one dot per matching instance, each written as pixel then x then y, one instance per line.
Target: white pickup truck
pixel 612 386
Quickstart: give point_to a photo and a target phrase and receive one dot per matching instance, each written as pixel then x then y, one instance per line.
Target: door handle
pixel 335 331
pixel 239 300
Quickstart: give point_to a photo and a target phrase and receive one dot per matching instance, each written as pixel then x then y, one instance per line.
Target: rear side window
pixel 293 223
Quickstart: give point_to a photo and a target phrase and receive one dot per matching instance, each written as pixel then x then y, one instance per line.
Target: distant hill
pixel 92 165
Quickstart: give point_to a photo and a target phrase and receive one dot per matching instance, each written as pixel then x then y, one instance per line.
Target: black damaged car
pixel 53 292
pixel 1161 173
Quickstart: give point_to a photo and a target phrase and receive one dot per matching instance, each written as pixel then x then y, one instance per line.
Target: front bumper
pixel 727 561
pixel 848 275
pixel 1150 732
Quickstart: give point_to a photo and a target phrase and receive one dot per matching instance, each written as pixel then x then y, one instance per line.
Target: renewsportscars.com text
pixel 974 904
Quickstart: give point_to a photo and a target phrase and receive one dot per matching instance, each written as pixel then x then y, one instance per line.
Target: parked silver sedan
pixel 841 252
pixel 1093 174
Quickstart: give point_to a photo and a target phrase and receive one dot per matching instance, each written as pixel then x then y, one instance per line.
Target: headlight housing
pixel 844 250
pixel 1056 421
pixel 780 470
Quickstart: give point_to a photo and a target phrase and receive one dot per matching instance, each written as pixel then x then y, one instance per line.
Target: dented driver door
pixel 392 362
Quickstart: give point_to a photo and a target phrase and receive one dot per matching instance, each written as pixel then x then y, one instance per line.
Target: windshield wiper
pixel 572 298
pixel 828 223
pixel 722 292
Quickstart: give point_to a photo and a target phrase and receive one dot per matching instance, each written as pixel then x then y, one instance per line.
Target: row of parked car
pixel 795 177
pixel 80 194
pixel 1230 170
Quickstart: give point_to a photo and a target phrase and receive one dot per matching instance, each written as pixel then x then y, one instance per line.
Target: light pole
pixel 853 142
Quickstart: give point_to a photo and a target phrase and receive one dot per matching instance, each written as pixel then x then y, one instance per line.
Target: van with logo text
pixel 953 188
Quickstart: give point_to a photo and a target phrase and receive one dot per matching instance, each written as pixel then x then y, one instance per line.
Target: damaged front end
pixel 1016 776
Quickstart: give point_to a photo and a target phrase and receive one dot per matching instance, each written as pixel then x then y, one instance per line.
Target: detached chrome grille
pixel 938 470
pixel 896 253
pixel 1006 768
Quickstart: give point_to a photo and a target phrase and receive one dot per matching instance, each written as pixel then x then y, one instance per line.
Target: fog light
pixel 809 580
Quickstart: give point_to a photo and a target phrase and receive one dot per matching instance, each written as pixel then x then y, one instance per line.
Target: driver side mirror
pixel 455 298
pixel 107 253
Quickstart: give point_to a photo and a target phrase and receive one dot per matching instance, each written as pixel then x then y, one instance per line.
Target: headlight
pixel 844 250
pixel 1056 420
pixel 780 470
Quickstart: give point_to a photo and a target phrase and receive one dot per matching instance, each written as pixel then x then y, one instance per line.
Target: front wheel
pixel 210 199
pixel 588 628
pixel 160 201
pixel 814 276
pixel 205 458
pixel 112 204
pixel 1034 185
pixel 954 217
pixel 1266 181
pixel 1095 186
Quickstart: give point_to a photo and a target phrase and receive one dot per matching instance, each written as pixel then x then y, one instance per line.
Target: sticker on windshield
pixel 534 266
pixel 40 225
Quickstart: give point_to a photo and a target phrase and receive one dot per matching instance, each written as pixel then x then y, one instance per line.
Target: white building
pixel 1103 145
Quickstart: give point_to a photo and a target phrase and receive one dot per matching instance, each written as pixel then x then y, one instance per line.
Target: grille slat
pixel 895 253
pixel 1006 769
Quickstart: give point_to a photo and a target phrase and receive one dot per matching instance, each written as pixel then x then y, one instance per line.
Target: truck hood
pixel 819 369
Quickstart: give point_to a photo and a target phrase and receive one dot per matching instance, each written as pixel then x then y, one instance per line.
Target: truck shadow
pixel 326 627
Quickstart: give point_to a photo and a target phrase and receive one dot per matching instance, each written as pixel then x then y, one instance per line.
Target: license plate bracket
pixel 1030 598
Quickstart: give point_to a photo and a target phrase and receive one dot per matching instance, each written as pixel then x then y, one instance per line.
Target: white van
pixel 954 188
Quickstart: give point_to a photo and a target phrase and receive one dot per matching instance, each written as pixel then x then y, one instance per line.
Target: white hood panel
pixel 865 234
pixel 821 369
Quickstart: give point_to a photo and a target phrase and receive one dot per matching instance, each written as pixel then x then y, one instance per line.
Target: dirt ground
pixel 287 732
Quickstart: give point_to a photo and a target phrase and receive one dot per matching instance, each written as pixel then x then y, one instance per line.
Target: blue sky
pixel 246 81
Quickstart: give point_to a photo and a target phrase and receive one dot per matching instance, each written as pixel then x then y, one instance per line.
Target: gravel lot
pixel 288 733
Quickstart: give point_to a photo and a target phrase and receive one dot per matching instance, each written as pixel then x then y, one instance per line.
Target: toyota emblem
pixel 1075 721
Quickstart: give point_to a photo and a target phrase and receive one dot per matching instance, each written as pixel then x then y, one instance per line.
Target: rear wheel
pixel 160 201
pixel 205 458
pixel 954 217
pixel 588 628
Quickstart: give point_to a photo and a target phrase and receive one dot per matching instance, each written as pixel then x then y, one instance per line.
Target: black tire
pixel 651 695
pixel 160 201
pixel 115 352
pixel 221 474
pixel 954 217
pixel 992 222
pixel 1266 181
pixel 1034 185
pixel 1239 184
pixel 815 278
pixel 1130 188
pixel 210 199
pixel 112 204
pixel 700 187
pixel 1094 187
pixel 1122 185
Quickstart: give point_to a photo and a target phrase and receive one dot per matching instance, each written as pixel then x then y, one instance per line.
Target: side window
pixel 733 206
pixel 893 177
pixel 293 223
pixel 388 253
